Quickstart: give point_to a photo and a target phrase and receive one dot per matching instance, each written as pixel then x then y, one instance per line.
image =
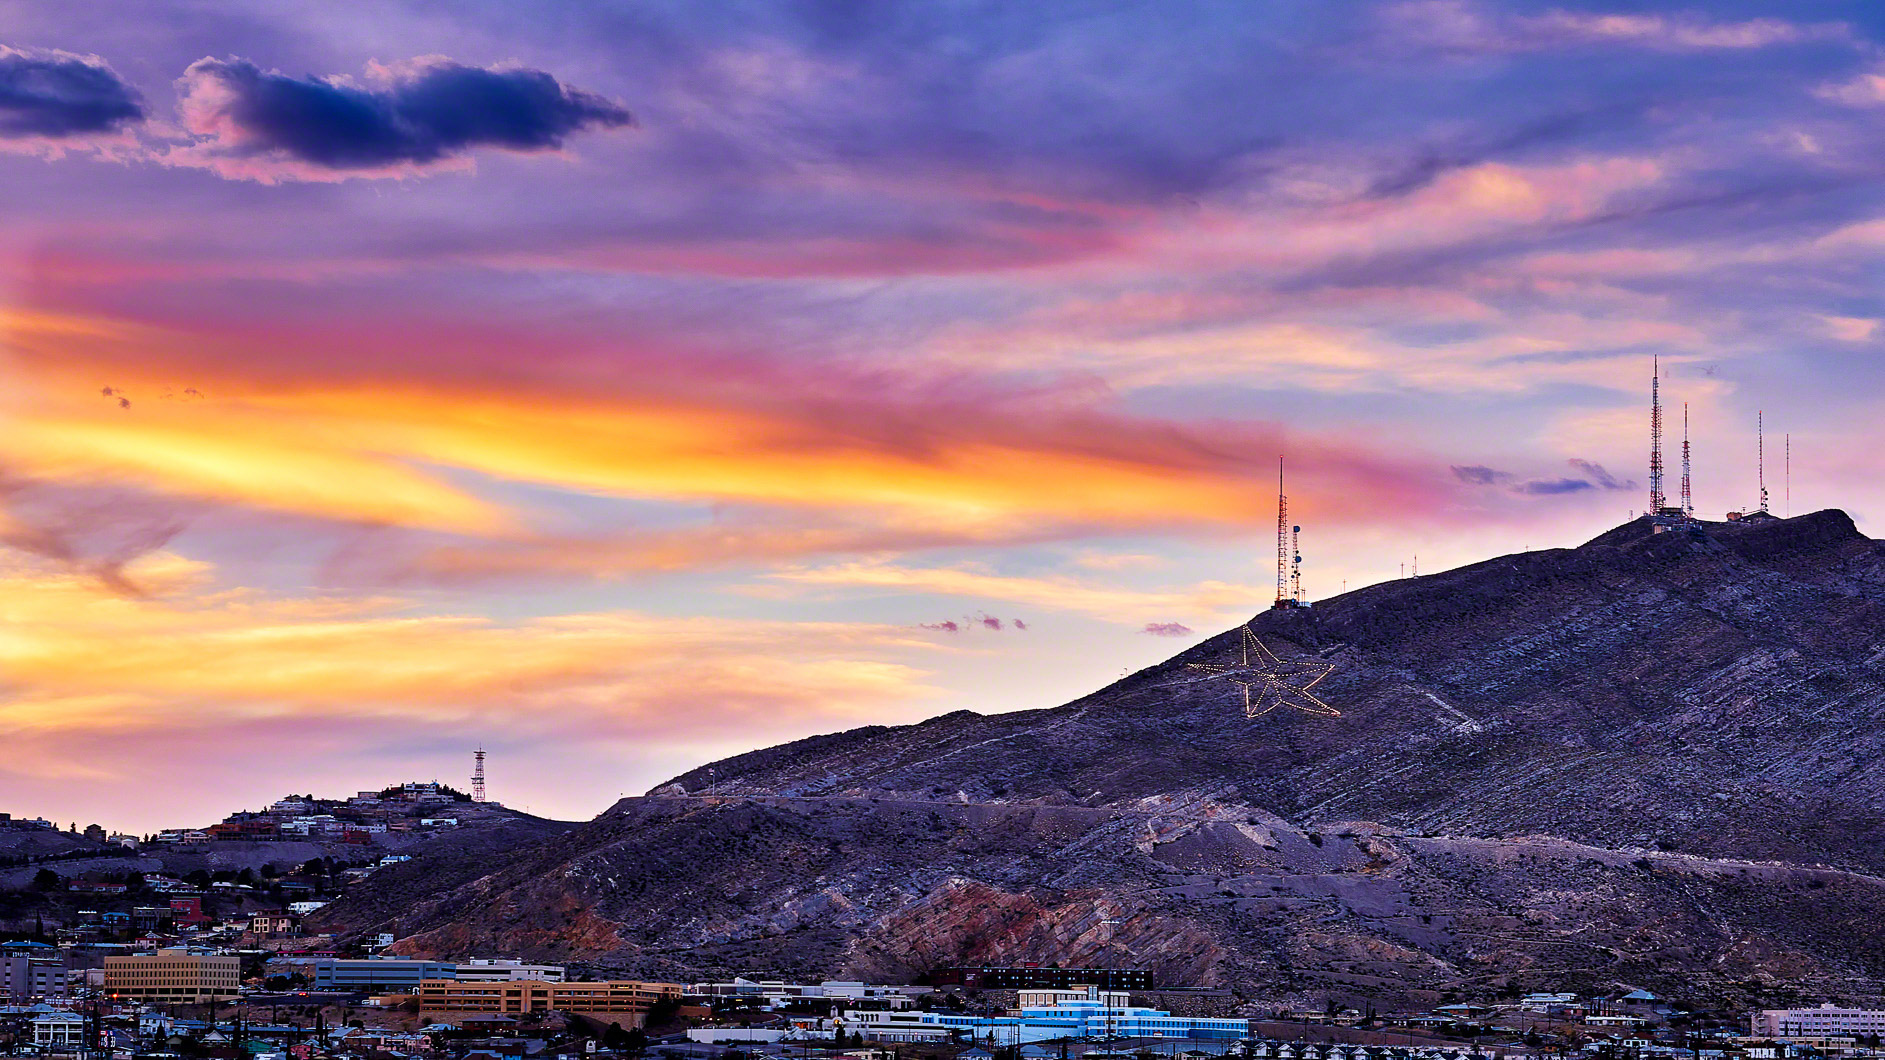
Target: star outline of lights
pixel 1263 677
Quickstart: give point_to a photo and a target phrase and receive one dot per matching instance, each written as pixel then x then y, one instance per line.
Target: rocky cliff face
pixel 1653 759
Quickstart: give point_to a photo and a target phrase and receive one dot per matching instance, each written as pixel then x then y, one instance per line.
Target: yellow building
pixel 624 1001
pixel 174 976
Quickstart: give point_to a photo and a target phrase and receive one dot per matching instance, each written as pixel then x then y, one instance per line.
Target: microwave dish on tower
pixel 1288 559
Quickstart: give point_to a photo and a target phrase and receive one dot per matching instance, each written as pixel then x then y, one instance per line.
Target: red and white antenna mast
pixel 1656 502
pixel 1282 539
pixel 1760 454
pixel 1688 499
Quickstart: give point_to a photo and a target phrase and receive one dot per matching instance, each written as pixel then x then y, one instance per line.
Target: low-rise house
pixel 58 1028
pixel 274 925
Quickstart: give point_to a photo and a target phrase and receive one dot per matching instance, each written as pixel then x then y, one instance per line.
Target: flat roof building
pixel 172 975
pixel 1822 1022
pixel 377 974
pixel 31 978
pixel 1048 1014
pixel 624 1001
pixel 483 970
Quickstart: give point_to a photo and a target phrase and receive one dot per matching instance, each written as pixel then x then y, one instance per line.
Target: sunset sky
pixel 624 385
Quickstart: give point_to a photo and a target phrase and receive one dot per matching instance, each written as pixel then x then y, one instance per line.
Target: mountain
pixel 1654 759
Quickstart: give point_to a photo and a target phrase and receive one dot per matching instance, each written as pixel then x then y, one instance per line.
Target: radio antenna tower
pixel 1688 500
pixel 1786 477
pixel 1282 540
pixel 1656 503
pixel 1760 454
pixel 1295 564
pixel 477 775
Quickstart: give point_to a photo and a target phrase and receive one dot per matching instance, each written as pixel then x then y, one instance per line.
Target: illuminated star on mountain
pixel 1269 682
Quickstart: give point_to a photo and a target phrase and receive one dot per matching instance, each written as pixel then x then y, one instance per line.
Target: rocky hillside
pixel 1653 759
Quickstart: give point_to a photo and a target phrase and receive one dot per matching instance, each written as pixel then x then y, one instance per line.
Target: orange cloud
pixel 942 469
pixel 81 660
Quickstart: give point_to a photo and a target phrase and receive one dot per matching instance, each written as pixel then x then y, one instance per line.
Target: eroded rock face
pixel 1654 759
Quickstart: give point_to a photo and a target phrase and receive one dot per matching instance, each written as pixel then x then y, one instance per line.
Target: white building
pixel 1827 1021
pixel 59 1028
pixel 304 908
pixel 772 993
pixel 486 970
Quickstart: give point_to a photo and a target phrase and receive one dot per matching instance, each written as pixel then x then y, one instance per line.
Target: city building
pixel 623 1001
pixel 1823 1022
pixel 773 993
pixel 378 975
pixel 172 975
pixel 187 911
pixel 151 917
pixel 59 1028
pixel 1044 1014
pixel 1028 977
pixel 31 978
pixel 488 970
pixel 273 925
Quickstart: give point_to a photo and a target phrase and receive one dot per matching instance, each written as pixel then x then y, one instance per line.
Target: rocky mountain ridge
pixel 1653 759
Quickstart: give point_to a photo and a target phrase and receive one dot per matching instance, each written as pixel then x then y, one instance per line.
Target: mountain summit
pixel 1653 759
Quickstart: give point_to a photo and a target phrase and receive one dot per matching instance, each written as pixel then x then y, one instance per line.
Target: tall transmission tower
pixel 1282 540
pixel 477 775
pixel 1786 478
pixel 1760 454
pixel 1656 503
pixel 1688 499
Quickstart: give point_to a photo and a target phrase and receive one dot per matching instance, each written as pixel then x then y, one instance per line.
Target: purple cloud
pixel 57 95
pixel 1479 475
pixel 940 627
pixel 1167 629
pixel 421 114
pixel 1553 487
pixel 1601 478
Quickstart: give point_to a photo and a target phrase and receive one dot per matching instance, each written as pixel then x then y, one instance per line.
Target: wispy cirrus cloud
pixel 187 644
pixel 1110 603
pixel 1467 27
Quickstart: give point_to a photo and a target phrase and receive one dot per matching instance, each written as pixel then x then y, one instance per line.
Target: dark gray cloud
pixel 418 114
pixel 1591 476
pixel 1479 475
pixel 60 96
pixel 1601 478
